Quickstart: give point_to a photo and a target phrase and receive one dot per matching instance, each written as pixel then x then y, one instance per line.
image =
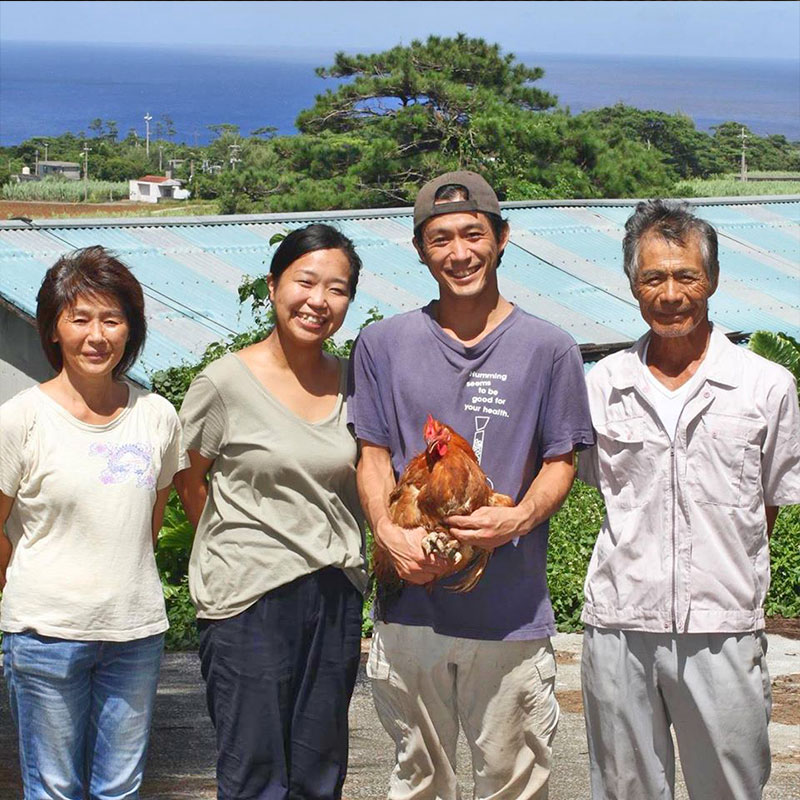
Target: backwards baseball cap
pixel 480 197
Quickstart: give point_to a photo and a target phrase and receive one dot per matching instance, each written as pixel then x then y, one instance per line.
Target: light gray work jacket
pixel 684 544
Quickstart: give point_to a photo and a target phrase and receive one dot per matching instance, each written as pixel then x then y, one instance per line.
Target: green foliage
pixel 784 593
pixel 367 624
pixel 65 191
pixel 783 597
pixel 172 559
pixel 573 531
pixel 732 187
pixel 685 150
pixel 120 168
pixel 780 348
pixel 182 633
pixel 174 543
pixel 110 159
pixel 412 112
pixel 762 153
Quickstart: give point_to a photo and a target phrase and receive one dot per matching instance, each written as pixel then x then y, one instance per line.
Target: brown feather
pixel 442 481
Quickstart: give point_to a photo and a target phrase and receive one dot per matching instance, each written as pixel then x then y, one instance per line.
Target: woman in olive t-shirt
pixel 277 569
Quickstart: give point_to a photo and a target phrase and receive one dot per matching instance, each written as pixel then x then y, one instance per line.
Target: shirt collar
pixel 721 362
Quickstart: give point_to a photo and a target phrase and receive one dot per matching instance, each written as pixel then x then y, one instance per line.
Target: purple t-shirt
pixel 518 396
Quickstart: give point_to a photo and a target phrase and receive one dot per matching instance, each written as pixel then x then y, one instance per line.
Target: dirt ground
pixel 783 626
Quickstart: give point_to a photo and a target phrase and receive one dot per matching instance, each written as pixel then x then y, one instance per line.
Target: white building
pixel 152 188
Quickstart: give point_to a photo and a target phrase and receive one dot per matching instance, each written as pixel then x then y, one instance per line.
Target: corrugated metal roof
pixel 563 263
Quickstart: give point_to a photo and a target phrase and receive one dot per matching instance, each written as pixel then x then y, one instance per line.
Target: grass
pixel 725 186
pixel 62 191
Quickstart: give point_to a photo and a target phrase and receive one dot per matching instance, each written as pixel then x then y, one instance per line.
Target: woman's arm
pixel 5 545
pixel 192 486
pixel 158 512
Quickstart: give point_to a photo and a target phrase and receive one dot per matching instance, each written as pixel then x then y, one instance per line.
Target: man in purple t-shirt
pixel 513 386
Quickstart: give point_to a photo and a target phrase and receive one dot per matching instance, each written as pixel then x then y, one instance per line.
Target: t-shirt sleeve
pixel 202 416
pixel 365 411
pixel 780 455
pixel 13 434
pixel 567 424
pixel 175 457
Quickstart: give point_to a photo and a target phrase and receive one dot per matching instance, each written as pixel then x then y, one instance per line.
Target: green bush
pixel 182 633
pixel 783 597
pixel 573 531
pixel 174 543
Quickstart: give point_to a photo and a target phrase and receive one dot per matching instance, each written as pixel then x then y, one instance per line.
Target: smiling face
pixel 312 296
pixel 461 252
pixel 92 334
pixel 671 286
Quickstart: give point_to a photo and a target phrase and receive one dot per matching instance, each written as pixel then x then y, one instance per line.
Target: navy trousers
pixel 279 677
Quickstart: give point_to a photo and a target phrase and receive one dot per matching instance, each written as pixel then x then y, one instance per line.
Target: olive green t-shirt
pixel 282 499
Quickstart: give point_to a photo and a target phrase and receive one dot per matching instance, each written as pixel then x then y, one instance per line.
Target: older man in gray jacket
pixel 697 446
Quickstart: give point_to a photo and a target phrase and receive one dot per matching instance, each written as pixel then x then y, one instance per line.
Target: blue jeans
pixel 83 712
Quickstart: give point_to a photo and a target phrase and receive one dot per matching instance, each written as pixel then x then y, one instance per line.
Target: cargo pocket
pixel 546 708
pixel 377 663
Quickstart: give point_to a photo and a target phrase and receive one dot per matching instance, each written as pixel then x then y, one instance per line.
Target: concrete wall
pixel 22 363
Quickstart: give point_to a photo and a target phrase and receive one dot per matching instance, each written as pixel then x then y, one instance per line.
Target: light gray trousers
pixel 713 689
pixel 502 694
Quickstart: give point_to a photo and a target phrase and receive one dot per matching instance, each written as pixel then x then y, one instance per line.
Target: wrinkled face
pixel 672 286
pixel 312 296
pixel 92 335
pixel 436 436
pixel 461 251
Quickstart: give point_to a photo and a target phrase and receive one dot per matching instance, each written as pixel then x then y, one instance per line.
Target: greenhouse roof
pixel 563 263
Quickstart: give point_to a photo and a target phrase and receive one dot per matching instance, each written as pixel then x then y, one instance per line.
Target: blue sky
pixel 714 29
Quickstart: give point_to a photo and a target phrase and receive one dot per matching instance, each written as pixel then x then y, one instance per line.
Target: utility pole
pixel 86 150
pixel 744 157
pixel 36 163
pixel 160 156
pixel 46 145
pixel 147 119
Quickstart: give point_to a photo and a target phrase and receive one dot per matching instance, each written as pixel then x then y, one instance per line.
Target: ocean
pixel 48 89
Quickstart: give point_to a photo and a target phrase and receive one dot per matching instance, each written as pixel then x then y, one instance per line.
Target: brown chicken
pixel 443 480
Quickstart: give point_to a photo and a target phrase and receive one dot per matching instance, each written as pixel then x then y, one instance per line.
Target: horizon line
pixel 232 48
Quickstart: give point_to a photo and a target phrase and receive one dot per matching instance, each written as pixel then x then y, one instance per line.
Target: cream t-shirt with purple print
pixel 83 565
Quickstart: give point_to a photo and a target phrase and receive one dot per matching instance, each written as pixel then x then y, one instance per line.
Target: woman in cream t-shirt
pixel 86 462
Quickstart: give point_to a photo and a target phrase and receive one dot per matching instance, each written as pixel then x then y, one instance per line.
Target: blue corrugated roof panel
pixel 564 263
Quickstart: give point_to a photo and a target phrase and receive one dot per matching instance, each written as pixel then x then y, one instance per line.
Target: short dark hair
pixel 452 192
pixel 317 236
pixel 674 222
pixel 90 271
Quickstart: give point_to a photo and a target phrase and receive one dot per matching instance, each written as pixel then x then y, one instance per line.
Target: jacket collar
pixel 721 363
